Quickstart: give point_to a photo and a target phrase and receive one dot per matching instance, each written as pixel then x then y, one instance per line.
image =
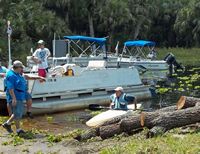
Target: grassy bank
pixel 172 142
pixel 186 56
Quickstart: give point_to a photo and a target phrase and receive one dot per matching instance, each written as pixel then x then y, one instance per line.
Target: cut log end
pixel 181 102
pixel 142 119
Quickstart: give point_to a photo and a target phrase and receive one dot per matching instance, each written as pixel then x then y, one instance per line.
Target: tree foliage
pixel 170 23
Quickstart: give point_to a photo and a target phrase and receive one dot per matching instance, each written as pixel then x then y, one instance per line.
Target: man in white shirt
pixel 40 57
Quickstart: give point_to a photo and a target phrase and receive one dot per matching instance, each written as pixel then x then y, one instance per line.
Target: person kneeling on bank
pixel 118 100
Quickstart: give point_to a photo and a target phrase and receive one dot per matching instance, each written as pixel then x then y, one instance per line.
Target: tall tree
pixel 31 22
pixel 162 27
pixel 187 24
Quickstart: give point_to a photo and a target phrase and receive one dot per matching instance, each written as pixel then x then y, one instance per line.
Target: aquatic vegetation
pixel 39 152
pixel 38 131
pixel 49 119
pixel 17 140
pixel 182 84
pixel 162 90
pixel 74 133
pixel 3 119
pixel 181 89
pixel 29 135
pixel 54 138
pixel 72 118
pixel 197 87
pixel 174 75
pixel 94 113
pixel 183 78
pixel 190 85
pixel 5 143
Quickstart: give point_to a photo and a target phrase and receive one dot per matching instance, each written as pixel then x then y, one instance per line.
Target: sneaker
pixel 29 114
pixel 21 132
pixel 7 127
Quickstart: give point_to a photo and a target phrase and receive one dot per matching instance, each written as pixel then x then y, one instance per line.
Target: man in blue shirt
pixel 15 95
pixel 28 96
pixel 118 99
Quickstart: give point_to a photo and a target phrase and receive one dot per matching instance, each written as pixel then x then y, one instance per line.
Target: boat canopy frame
pixel 93 44
pixel 136 48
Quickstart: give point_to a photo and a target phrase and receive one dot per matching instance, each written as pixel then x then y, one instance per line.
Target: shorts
pixel 17 110
pixel 42 72
pixel 27 96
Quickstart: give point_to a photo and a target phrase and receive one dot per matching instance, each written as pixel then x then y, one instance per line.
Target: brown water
pixel 68 121
pixel 58 123
pixel 63 122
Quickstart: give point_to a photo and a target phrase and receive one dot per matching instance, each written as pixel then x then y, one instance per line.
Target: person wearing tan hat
pixel 119 99
pixel 40 57
pixel 15 95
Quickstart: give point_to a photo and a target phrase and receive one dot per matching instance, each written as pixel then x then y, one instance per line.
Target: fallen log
pixel 158 122
pixel 168 121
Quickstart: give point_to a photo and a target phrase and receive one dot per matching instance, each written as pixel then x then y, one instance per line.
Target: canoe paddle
pixel 97 107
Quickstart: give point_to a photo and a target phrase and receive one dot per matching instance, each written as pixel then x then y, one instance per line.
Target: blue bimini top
pixel 100 41
pixel 139 43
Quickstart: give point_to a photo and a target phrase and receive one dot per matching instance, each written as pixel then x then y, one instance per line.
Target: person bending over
pixel 118 100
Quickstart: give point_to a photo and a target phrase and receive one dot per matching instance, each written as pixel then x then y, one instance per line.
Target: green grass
pixel 187 56
pixel 169 143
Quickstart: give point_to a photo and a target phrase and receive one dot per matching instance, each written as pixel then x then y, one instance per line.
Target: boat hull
pixel 58 104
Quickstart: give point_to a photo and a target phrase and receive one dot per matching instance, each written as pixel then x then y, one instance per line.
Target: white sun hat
pixel 40 42
pixel 119 89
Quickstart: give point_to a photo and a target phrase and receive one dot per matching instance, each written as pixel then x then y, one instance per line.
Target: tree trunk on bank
pixel 158 122
pixel 91 25
pixel 172 120
pixel 138 27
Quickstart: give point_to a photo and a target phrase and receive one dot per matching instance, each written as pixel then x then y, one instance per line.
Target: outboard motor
pixel 173 64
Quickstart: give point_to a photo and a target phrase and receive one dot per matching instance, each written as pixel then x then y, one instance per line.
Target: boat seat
pixel 96 64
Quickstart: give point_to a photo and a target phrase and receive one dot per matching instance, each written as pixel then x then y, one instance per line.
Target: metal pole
pixel 9 31
pixel 9 53
pixel 54 49
pixel 54 45
pixel 69 53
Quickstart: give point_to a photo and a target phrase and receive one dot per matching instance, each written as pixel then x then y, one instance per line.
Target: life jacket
pixel 119 103
pixel 70 72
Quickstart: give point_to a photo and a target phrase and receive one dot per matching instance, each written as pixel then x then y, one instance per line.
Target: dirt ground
pixel 63 123
pixel 66 146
